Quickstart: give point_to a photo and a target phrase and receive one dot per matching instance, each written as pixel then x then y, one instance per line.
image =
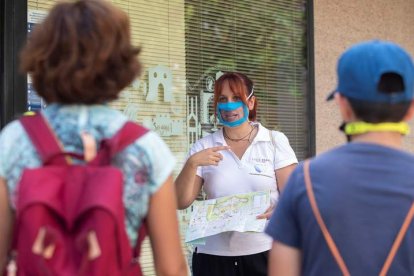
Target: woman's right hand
pixel 207 157
pixel 188 183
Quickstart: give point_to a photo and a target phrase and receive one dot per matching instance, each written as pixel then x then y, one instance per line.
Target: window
pixel 186 44
pixel 263 39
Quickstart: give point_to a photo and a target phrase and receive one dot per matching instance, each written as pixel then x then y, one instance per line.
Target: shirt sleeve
pixel 197 146
pixel 284 224
pixel 160 157
pixel 3 154
pixel 284 155
pixel 8 136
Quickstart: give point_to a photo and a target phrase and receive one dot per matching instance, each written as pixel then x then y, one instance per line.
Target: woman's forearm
pixel 187 185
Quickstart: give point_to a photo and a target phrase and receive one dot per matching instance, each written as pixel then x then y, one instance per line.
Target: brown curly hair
pixel 81 53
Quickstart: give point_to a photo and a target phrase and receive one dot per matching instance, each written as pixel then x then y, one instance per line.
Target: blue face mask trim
pixel 230 107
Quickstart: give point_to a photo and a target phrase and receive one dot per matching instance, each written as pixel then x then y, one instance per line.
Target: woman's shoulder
pixel 15 150
pixel 10 134
pixel 12 128
pixel 97 112
pixel 276 134
pixel 150 139
pixel 96 118
pixel 152 144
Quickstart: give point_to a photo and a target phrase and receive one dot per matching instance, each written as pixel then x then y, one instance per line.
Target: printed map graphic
pixel 230 213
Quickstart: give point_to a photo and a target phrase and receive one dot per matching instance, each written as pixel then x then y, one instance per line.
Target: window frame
pixel 13 87
pixel 310 97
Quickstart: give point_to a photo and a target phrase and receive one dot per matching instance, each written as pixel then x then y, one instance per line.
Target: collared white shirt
pixel 255 171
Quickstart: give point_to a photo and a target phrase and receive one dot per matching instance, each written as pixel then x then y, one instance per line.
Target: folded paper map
pixel 230 213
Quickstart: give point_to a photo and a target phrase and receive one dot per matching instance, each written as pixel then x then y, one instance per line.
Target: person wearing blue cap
pixel 350 210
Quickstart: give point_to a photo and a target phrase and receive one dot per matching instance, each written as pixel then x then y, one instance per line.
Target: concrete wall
pixel 339 24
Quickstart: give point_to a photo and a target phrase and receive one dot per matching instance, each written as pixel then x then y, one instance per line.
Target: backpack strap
pixel 407 221
pixel 109 147
pixel 43 138
pixel 329 240
pixel 124 137
pixel 272 139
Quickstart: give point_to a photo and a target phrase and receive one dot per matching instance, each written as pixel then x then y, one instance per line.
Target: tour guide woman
pixel 241 157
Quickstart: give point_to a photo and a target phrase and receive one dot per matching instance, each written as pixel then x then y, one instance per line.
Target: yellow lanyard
pixel 363 127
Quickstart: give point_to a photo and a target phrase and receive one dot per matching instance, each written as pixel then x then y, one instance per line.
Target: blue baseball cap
pixel 361 67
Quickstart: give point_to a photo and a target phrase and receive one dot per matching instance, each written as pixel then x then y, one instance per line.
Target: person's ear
pixel 250 102
pixel 410 112
pixel 345 108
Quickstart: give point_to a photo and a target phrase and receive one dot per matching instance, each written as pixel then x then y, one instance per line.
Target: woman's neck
pixel 239 131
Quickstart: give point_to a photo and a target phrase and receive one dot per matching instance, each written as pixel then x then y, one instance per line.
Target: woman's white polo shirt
pixel 255 171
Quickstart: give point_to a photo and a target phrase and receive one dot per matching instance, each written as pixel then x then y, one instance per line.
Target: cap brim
pixel 331 95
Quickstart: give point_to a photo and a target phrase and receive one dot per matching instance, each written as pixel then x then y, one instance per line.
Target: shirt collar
pixel 218 138
pixel 262 134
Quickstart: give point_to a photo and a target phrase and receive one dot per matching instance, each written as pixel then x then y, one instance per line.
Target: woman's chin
pixel 231 119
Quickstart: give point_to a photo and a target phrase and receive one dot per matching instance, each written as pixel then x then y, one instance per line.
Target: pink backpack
pixel 70 217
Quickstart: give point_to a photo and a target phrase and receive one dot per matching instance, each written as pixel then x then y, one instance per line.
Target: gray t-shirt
pixel 364 192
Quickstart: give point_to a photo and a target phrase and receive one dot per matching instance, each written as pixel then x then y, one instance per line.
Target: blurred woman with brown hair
pixel 79 58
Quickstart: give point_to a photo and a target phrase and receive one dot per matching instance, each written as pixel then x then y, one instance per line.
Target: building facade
pixel 337 25
pixel 186 45
pixel 288 47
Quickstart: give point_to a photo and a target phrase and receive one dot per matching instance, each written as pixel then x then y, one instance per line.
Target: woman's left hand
pixel 268 213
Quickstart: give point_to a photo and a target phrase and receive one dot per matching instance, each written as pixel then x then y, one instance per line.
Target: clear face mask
pixel 232 106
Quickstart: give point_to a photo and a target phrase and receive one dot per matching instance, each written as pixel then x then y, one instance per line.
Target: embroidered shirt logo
pixel 257 168
pixel 260 160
